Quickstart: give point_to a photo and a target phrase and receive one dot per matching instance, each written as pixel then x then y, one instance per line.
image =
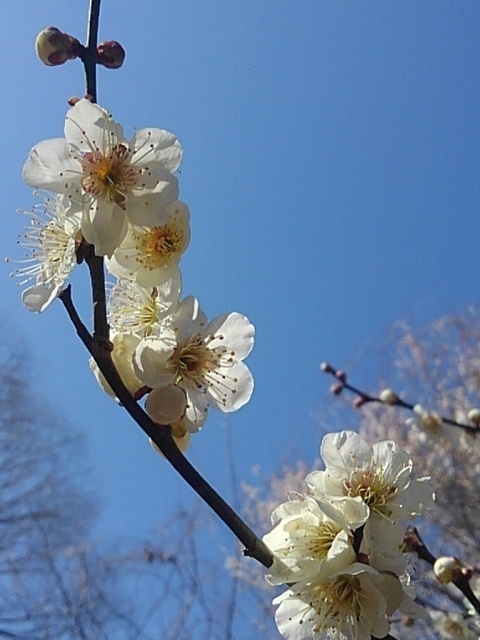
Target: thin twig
pixel 365 398
pixel 90 56
pixel 416 543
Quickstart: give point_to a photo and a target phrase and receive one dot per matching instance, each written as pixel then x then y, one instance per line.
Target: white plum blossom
pixel 150 255
pixel 204 359
pixel 351 604
pixel 50 241
pixel 109 179
pixel 133 309
pixel 312 538
pixel 379 474
pixel 428 424
pixel 338 548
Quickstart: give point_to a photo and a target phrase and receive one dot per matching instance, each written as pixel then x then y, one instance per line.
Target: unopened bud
pixel 110 54
pixel 166 404
pixel 448 569
pixel 336 389
pixel 389 397
pixel 430 420
pixel 359 402
pixel 474 416
pixel 326 368
pixel 341 375
pixel 54 47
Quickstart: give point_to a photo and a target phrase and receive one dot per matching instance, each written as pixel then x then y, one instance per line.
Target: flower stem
pixel 90 55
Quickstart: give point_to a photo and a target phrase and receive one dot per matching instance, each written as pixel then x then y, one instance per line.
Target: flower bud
pixel 388 396
pixel 326 368
pixel 474 416
pixel 166 405
pixel 54 47
pixel 448 569
pixel 336 389
pixel 430 420
pixel 110 54
pixel 359 402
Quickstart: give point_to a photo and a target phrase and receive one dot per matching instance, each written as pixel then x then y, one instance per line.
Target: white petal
pixel 104 225
pixel 166 404
pixel 156 277
pixel 232 388
pixel 295 618
pixel 149 209
pixel 189 318
pixel 197 411
pixel 49 166
pixel 237 331
pixel 151 357
pixel 88 127
pixel 164 146
pixel 38 297
pixel 345 451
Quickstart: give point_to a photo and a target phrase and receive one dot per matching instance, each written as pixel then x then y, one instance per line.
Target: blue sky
pixel 331 168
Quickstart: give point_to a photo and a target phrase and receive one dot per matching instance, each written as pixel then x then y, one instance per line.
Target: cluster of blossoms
pixel 121 196
pixel 339 547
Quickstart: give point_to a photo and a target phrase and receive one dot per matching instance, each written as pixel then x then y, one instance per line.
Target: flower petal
pixel 50 166
pixel 156 145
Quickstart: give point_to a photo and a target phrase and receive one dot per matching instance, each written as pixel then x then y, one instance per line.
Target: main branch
pixel 100 348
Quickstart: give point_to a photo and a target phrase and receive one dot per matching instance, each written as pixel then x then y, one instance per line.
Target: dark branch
pixel 89 58
pixel 462 583
pixel 162 437
pixel 365 398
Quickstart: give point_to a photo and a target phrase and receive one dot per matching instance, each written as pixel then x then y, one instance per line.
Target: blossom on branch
pixel 50 242
pixel 381 476
pixel 352 604
pixel 204 359
pixel 338 548
pixel 150 255
pixel 109 179
pixel 144 312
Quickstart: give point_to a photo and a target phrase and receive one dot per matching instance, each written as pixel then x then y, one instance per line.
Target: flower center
pixel 132 309
pixel 323 536
pixel 337 603
pixel 193 361
pixel 54 242
pixel 372 489
pixel 157 246
pixel 110 176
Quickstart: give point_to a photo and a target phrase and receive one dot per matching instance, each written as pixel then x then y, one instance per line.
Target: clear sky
pixel 331 168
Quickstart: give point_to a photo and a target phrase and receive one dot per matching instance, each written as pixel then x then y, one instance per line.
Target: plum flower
pixel 381 476
pixel 204 359
pixel 110 179
pixel 50 242
pixel 312 538
pixel 151 254
pixel 352 604
pixel 133 309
